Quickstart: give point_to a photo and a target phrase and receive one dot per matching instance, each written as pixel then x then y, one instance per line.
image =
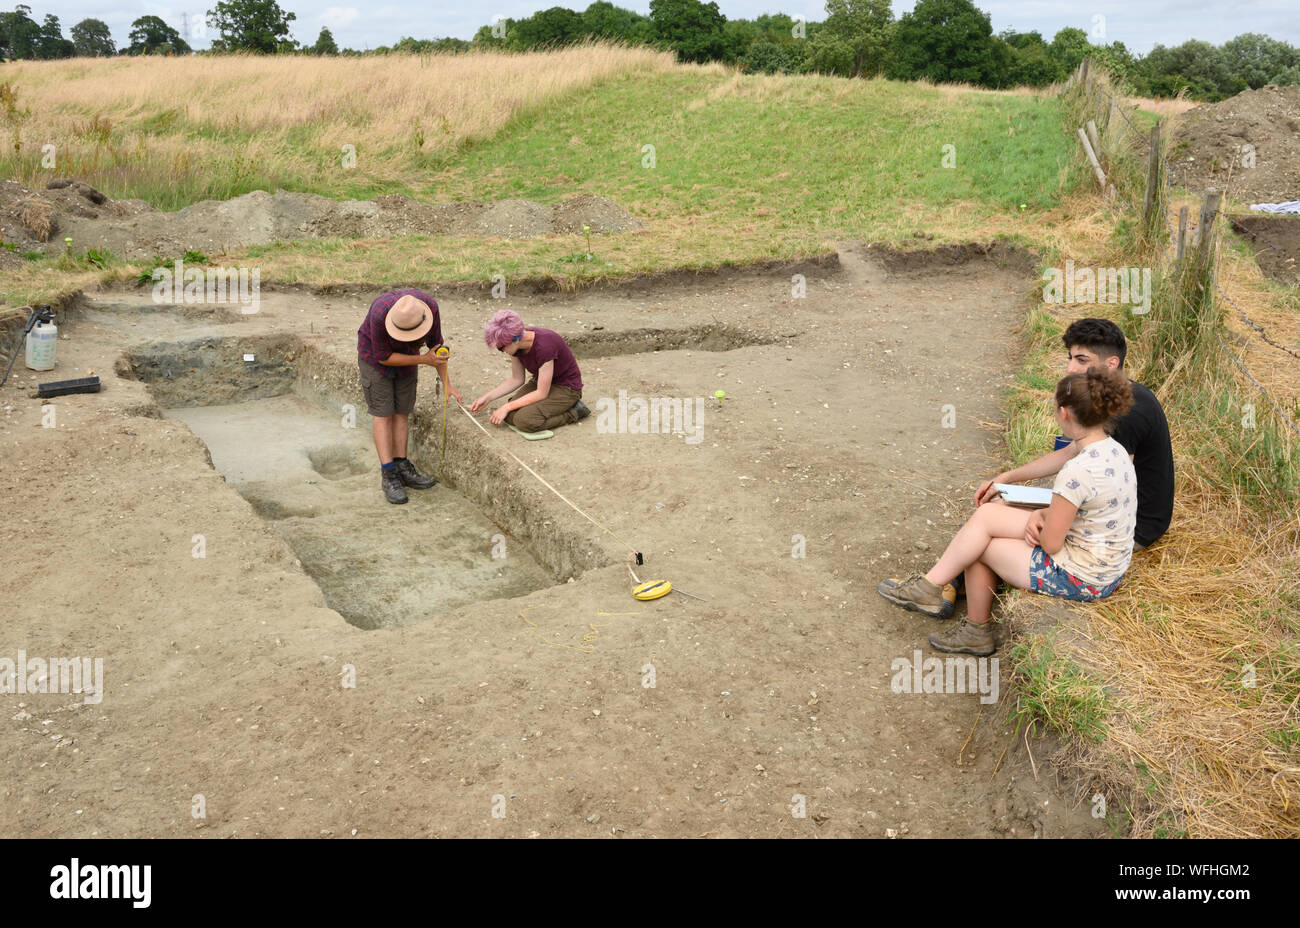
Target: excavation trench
pixel 286 425
pixel 606 344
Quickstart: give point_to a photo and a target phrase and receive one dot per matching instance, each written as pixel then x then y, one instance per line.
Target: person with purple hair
pixel 553 397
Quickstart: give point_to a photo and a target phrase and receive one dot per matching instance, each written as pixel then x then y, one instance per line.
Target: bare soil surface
pixel 1277 243
pixel 1207 147
pixel 315 482
pixel 225 676
pixel 41 219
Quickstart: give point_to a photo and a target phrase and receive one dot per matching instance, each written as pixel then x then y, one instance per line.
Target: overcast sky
pixel 1139 24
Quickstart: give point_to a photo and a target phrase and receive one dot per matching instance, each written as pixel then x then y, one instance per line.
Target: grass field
pixel 741 173
pixel 746 168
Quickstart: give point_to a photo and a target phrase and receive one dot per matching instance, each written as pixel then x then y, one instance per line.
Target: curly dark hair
pixel 1095 397
pixel 1099 335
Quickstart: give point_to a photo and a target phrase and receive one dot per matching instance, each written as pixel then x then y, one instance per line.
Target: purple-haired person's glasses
pixel 511 342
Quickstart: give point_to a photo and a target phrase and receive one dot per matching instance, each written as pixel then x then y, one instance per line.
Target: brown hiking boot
pixel 966 638
pixel 919 595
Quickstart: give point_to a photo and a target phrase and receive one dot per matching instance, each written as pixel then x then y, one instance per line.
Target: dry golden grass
pixel 37 217
pixel 1277 369
pixel 189 110
pixel 1163 106
pixel 1196 744
pixel 1081 228
pixel 1202 673
pixel 958 88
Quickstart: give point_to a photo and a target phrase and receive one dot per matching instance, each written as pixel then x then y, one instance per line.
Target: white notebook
pixel 1016 495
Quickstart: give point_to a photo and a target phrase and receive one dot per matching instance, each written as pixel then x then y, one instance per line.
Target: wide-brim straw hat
pixel 409 319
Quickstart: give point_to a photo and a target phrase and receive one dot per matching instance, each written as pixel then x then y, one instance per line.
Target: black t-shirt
pixel 1144 433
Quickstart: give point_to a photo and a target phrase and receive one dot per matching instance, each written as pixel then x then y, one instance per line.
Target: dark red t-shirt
pixel 550 346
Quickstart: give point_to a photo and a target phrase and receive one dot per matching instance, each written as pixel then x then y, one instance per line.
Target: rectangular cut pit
pixel 316 481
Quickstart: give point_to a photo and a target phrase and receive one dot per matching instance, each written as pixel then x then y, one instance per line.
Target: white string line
pixel 543 482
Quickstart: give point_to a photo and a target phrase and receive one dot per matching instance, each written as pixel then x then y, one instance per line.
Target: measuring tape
pixel 652 589
pixel 442 351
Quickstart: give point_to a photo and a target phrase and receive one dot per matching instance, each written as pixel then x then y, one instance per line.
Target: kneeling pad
pixel 532 436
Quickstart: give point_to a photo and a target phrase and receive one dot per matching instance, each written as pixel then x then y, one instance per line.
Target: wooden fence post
pixel 1182 232
pixel 1151 200
pixel 1209 210
pixel 1092 158
pixel 1092 135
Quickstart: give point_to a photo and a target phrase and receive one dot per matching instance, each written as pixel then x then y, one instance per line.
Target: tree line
pixel 939 40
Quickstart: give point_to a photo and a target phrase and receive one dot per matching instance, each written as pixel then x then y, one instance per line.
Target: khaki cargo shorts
pixel 387 396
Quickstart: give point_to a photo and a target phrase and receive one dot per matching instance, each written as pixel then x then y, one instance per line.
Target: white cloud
pixel 339 16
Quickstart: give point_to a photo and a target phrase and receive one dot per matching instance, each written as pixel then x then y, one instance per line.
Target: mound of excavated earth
pixel 1247 145
pixel 40 220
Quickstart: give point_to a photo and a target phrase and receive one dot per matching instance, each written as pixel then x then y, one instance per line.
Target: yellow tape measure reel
pixel 652 589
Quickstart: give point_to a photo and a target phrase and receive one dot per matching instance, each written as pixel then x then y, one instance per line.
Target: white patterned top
pixel 1101 482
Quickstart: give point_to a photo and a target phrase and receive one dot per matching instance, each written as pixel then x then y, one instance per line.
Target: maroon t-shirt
pixel 550 346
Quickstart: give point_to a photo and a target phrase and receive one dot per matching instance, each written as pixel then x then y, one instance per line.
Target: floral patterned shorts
pixel 1048 578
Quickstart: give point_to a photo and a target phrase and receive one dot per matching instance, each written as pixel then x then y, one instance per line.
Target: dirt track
pixel 223 674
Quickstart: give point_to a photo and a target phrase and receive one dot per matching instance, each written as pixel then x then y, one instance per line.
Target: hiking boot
pixel 917 594
pixel 966 638
pixel 949 595
pixel 411 477
pixel 580 410
pixel 392 484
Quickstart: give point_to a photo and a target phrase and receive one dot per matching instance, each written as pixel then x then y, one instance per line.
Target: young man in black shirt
pixel 1143 431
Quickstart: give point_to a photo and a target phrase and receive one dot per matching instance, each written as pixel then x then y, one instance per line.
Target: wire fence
pixel 1116 106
